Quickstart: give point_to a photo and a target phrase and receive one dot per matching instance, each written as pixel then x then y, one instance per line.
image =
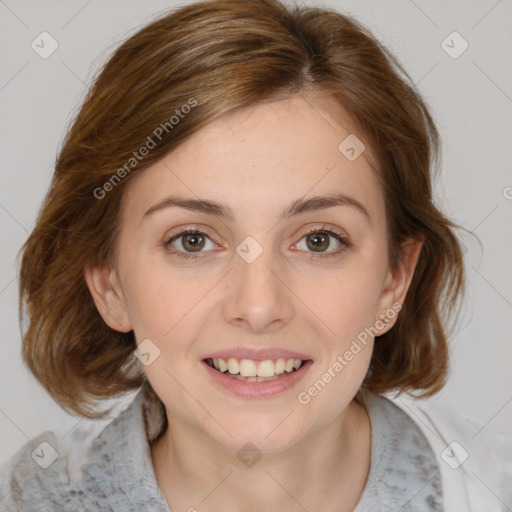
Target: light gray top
pixel 404 475
pixel 118 474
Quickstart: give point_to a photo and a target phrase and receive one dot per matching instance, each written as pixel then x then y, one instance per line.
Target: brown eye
pixel 189 243
pixel 193 242
pixel 318 242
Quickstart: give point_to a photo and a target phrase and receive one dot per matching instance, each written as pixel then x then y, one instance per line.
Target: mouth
pixel 250 370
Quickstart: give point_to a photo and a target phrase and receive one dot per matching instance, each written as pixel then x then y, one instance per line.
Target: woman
pixel 241 225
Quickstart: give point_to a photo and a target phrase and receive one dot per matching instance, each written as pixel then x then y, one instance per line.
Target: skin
pixel 257 161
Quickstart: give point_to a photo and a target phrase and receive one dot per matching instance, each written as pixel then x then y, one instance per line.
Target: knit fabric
pixel 118 474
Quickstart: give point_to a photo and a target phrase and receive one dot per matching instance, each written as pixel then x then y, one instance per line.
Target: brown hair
pixel 217 56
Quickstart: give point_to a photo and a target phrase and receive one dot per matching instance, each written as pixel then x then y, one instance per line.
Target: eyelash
pixel 344 243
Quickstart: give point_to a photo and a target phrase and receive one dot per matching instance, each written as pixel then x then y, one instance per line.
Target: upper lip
pixel 256 354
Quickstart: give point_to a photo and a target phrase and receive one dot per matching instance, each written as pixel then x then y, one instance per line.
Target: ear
pixel 107 294
pixel 396 285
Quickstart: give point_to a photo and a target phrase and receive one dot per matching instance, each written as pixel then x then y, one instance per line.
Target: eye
pixel 319 240
pixel 191 241
pixel 194 243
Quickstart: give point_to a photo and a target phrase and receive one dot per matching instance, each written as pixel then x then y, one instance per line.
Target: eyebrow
pixel 297 207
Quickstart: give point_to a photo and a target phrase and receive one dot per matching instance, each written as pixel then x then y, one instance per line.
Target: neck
pixel 330 465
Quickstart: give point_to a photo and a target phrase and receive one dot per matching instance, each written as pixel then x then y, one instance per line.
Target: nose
pixel 258 298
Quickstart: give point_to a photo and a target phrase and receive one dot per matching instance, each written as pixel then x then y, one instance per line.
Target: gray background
pixel 471 97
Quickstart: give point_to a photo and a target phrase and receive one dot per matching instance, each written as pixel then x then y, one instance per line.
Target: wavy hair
pixel 226 55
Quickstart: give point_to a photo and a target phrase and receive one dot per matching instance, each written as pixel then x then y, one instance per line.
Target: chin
pixel 263 433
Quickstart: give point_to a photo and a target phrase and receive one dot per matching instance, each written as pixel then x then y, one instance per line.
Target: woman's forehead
pixel 267 152
pixel 260 162
pixel 307 116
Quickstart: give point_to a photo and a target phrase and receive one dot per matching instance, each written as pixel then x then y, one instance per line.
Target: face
pixel 256 245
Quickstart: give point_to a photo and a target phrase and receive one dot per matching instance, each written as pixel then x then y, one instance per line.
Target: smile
pixel 256 378
pixel 250 370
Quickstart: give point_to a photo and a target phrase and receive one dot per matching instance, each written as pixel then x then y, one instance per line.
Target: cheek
pixel 346 307
pixel 345 301
pixel 166 305
pixel 151 297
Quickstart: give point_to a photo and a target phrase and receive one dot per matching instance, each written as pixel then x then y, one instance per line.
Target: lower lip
pixel 264 389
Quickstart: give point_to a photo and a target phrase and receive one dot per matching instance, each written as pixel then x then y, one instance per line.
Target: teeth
pixel 255 369
pixel 233 366
pixel 220 364
pixel 279 366
pixel 254 379
pixel 265 369
pixel 248 369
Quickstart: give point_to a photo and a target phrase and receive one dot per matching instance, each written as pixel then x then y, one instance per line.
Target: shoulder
pixel 102 469
pixel 474 463
pixel 33 478
pixel 44 474
pixel 404 474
